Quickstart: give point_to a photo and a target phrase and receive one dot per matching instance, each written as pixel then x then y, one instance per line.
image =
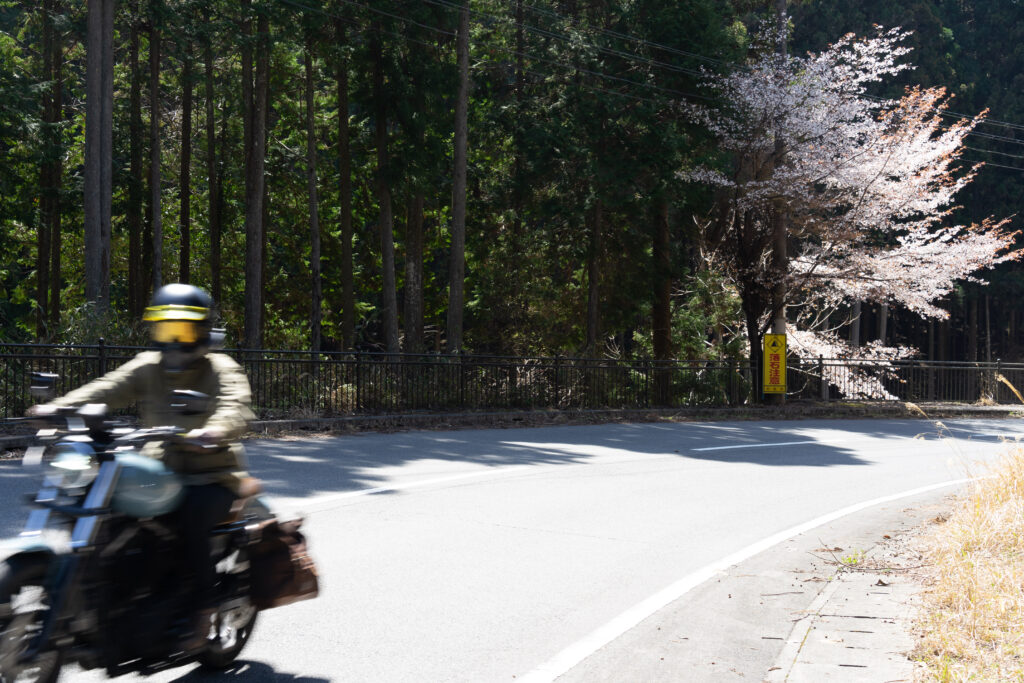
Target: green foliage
pixel 707 321
pixel 709 324
pixel 85 324
pixel 575 121
pixel 18 126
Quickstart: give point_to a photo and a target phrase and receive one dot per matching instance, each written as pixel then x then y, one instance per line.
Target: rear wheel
pixel 229 632
pixel 24 604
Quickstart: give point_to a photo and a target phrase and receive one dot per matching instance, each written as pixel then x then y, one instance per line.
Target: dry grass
pixel 972 619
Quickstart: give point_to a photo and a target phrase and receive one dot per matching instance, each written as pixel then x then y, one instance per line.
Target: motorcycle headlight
pixel 74 465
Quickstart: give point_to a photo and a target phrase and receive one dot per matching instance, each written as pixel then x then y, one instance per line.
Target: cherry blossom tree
pixel 867 187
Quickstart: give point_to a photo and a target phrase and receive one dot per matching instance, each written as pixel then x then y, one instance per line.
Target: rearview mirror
pixel 44 386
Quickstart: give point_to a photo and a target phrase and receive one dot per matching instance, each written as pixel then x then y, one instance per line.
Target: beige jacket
pixel 144 382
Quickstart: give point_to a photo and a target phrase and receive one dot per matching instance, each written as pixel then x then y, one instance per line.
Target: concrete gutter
pixel 791 411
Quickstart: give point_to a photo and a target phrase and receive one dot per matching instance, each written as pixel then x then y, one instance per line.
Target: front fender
pixel 29 545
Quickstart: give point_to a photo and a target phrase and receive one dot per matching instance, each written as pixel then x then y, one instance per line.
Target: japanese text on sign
pixel 775 364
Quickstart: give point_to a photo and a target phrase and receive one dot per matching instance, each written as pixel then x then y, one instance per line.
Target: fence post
pixel 931 378
pixel 824 382
pixel 648 379
pixel 102 357
pixel 357 367
pixel 558 397
pixel 462 379
pixel 734 389
pixel 995 380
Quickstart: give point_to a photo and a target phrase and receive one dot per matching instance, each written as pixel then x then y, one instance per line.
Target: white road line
pixel 822 442
pixel 760 445
pixel 577 652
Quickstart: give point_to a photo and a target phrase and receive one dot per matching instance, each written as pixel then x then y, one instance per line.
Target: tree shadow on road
pixel 300 467
pixel 306 466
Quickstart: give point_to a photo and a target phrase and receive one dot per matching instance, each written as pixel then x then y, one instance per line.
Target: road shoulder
pixel 809 609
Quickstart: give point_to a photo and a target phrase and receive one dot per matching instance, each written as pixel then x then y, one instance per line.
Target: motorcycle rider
pixel 210 457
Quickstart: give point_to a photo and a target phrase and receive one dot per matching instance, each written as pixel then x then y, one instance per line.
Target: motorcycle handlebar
pixel 92 418
pixel 170 434
pixel 92 415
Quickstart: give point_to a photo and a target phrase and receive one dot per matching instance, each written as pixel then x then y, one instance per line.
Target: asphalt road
pixel 529 554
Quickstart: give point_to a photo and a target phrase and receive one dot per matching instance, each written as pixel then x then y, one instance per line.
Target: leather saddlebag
pixel 281 568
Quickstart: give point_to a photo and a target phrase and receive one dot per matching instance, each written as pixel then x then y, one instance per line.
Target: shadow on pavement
pixel 303 466
pixel 299 467
pixel 248 672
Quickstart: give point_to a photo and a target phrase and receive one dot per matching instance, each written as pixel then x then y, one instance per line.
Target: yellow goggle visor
pixel 171 331
pixel 175 312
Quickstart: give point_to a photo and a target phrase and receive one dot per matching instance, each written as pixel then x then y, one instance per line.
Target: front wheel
pixel 229 632
pixel 24 604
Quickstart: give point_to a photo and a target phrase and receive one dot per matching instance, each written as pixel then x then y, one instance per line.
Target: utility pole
pixel 779 258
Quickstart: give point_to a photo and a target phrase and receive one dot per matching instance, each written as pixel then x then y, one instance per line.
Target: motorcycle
pixel 95 578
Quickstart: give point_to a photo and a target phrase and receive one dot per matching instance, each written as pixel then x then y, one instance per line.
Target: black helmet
pixel 179 302
pixel 180 318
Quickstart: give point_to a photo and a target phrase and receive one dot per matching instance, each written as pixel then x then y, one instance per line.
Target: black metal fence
pixel 294 384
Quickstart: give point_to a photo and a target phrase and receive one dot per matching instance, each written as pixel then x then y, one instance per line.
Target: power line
pixel 1000 138
pixel 955 115
pixel 991 122
pixel 719 62
pixel 367 7
pixel 595 89
pixel 535 58
pixel 362 29
pixel 987 164
pixel 992 151
pixel 712 60
pixel 619 53
pixel 637 39
pixel 632 56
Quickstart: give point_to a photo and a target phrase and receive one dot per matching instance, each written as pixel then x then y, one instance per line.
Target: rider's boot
pixel 199 635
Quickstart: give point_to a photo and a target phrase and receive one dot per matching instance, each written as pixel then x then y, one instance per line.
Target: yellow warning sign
pixel 774 363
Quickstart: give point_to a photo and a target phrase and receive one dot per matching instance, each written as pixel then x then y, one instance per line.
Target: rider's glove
pixel 41 410
pixel 204 438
